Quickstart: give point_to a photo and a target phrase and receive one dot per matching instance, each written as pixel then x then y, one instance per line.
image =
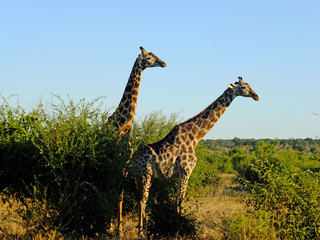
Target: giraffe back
pixel 169 155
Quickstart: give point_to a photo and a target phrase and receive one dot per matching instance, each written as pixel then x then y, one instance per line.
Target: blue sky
pixel 86 49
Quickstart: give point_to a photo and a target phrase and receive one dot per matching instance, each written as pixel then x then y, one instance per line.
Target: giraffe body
pixel 175 153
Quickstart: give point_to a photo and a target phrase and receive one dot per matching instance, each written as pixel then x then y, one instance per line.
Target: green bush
pixel 66 158
pixel 165 223
pixel 152 128
pixel 290 194
pixel 205 172
pixel 251 225
pixel 17 151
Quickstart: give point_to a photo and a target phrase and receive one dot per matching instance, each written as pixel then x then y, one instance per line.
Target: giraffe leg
pixel 181 192
pixel 120 221
pixel 145 185
pixel 120 233
pixel 184 175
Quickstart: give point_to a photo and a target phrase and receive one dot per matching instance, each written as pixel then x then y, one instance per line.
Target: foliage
pixel 165 222
pixel 152 128
pixel 65 165
pixel 205 172
pixel 251 225
pixel 284 188
pixel 67 159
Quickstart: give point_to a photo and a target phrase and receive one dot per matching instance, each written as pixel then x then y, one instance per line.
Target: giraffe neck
pixel 205 120
pixel 125 112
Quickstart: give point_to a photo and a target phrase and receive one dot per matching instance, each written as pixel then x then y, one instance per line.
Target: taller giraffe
pixel 123 116
pixel 175 153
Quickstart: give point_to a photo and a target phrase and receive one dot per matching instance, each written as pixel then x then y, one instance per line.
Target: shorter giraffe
pixel 175 153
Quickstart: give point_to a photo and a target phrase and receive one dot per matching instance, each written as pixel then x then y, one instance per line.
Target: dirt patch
pixel 222 205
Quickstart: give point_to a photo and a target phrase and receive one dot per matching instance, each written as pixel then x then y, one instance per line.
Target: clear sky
pixel 86 49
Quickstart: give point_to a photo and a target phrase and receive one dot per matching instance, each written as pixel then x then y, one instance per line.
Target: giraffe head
pixel 241 88
pixel 150 60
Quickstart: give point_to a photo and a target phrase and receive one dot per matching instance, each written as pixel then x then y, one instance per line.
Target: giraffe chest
pixel 175 158
pixel 166 161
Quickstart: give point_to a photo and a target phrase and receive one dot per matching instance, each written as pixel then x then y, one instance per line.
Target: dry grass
pixel 10 222
pixel 222 205
pixel 211 212
pixel 12 225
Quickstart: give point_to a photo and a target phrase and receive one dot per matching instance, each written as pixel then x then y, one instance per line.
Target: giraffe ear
pixel 143 51
pixel 231 85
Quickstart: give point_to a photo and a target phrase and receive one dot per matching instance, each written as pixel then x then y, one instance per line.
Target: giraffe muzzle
pixel 255 97
pixel 162 64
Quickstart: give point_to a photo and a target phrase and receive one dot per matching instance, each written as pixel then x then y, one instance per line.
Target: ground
pixel 10 221
pixel 211 211
pixel 222 205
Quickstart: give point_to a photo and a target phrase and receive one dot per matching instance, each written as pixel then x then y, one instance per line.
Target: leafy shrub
pixel 66 158
pixel 288 193
pixel 165 222
pixel 205 172
pixel 251 225
pixel 17 151
pixel 152 128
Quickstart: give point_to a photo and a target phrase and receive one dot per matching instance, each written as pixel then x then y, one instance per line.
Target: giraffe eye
pixel 243 87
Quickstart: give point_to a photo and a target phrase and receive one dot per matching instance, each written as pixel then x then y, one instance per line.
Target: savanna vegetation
pixel 61 175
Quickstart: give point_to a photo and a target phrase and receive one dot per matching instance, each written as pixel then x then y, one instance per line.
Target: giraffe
pixel 175 153
pixel 123 116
